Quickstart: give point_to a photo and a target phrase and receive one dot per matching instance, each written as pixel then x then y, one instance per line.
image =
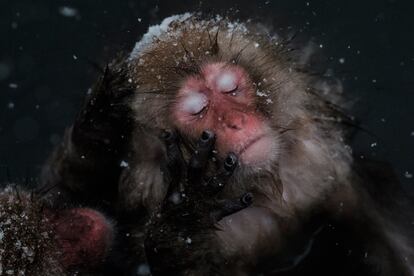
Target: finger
pixel 230 206
pixel 217 183
pixel 175 161
pixel 230 163
pixel 200 157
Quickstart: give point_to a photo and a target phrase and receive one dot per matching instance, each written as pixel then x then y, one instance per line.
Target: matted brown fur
pixel 312 156
pixel 27 241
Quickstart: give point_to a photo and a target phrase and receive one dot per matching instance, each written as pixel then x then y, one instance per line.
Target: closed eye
pixel 194 103
pixel 227 82
pixel 233 91
pixel 200 112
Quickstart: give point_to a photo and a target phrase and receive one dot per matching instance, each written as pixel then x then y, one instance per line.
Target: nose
pixel 234 120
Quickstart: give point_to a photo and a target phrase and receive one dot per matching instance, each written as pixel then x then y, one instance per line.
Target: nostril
pixel 233 126
pixel 235 120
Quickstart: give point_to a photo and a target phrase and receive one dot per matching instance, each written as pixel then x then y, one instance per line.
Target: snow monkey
pixel 240 90
pixel 215 152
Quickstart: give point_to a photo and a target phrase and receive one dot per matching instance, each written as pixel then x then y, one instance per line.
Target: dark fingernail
pixel 247 199
pixel 207 135
pixel 230 161
pixel 169 135
pixel 166 134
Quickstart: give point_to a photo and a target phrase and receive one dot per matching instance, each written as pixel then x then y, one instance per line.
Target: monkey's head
pixel 194 75
pixel 232 78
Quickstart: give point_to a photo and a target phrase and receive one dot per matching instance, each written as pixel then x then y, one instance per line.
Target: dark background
pixel 47 48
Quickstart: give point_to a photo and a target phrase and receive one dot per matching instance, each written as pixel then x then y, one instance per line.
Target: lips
pixel 250 143
pixel 258 151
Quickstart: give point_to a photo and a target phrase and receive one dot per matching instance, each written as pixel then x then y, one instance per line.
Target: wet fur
pixel 308 130
pixel 314 168
pixel 314 172
pixel 27 244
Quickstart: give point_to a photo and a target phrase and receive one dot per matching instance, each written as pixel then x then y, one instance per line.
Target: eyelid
pixel 201 111
pixel 227 82
pixel 232 91
pixel 194 103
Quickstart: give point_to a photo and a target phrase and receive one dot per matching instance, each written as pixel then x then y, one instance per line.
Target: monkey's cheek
pixel 260 153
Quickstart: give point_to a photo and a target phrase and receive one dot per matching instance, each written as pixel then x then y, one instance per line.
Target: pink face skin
pixel 222 99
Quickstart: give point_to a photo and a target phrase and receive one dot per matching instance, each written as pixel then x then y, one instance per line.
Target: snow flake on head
pixel 155 32
pixel 164 30
pixel 236 26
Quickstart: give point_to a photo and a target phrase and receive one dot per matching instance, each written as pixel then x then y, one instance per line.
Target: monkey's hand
pixel 180 238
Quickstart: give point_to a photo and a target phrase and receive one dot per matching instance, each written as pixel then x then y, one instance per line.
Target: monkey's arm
pixel 86 165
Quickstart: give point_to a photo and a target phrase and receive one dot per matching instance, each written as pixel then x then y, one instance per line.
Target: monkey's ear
pixel 84 237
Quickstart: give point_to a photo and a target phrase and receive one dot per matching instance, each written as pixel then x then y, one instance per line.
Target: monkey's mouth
pixel 250 143
pixel 257 150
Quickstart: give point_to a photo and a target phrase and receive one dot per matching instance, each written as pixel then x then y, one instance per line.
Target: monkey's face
pixel 221 98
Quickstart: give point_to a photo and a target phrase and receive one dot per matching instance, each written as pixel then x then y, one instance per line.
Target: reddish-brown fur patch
pixel 84 236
